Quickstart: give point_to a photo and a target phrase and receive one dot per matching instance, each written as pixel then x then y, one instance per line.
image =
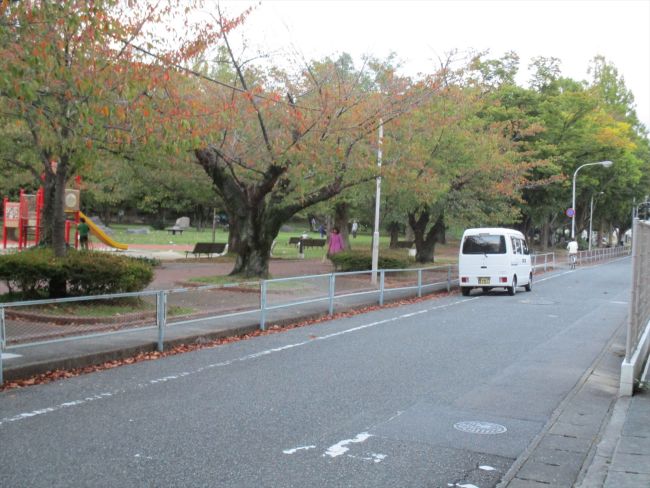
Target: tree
pixel 290 142
pixel 76 86
pixel 447 165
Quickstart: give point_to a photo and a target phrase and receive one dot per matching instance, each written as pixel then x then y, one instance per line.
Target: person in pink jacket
pixel 336 242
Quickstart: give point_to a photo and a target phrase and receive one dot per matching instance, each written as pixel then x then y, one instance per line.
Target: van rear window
pixel 484 244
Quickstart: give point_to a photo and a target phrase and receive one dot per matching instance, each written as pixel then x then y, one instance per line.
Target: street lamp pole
pixel 604 164
pixel 591 216
pixel 375 234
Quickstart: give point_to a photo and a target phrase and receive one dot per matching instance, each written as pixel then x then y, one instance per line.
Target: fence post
pixel 2 342
pixel 332 290
pixel 634 293
pixel 382 275
pixel 419 282
pixel 161 318
pixel 448 278
pixel 263 305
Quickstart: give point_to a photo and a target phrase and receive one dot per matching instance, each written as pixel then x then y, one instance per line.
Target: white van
pixel 494 258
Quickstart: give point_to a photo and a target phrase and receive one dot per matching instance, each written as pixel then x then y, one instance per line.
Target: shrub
pixel 84 272
pixel 361 261
pixel 95 273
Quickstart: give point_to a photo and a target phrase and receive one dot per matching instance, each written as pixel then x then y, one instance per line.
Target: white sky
pixel 421 32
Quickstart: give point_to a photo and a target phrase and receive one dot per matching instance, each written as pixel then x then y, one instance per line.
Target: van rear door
pixel 483 258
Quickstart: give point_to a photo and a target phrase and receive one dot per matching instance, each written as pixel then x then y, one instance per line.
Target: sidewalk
pixel 594 439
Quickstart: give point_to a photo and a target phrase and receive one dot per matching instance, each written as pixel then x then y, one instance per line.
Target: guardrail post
pixel 263 305
pixel 419 282
pixel 553 260
pixel 161 318
pixel 2 341
pixel 332 290
pixel 382 275
pixel 448 278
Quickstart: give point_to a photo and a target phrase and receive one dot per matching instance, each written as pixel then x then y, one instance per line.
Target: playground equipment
pixel 23 220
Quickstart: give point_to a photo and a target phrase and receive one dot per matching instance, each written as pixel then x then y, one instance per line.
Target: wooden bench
pixel 294 240
pixel 404 244
pixel 208 248
pixel 173 230
pixel 313 242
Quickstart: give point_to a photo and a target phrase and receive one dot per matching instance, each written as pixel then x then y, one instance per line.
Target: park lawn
pixel 445 253
pixel 191 236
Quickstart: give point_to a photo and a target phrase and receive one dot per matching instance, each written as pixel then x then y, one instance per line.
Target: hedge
pixel 84 272
pixel 362 261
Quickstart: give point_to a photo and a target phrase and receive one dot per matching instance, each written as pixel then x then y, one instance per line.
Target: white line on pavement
pixel 164 379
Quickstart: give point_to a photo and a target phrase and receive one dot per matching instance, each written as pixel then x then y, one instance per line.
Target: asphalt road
pixel 442 393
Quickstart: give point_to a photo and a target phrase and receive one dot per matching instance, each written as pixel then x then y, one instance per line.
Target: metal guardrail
pixel 600 254
pixel 543 261
pixel 267 296
pixel 273 294
pixel 400 282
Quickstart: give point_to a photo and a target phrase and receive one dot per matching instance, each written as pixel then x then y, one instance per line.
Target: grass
pixel 105 308
pixel 191 236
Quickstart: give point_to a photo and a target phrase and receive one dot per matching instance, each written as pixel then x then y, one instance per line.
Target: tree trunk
pixel 425 242
pixel 341 220
pixel 545 237
pixel 255 239
pixel 393 228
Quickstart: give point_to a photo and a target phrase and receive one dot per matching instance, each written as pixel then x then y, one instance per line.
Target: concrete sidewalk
pixel 595 438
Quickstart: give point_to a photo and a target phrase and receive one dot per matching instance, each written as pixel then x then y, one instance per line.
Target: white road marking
pixel 296 449
pixel 617 302
pixel 221 364
pixel 10 355
pixel 487 468
pixel 340 448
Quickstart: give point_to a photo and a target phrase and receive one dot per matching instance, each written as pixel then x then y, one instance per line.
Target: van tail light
pixel 464 279
pixel 503 279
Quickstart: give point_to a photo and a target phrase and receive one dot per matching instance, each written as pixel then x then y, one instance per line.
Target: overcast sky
pixel 421 32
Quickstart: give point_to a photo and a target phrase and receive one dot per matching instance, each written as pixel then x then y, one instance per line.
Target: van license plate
pixel 484 281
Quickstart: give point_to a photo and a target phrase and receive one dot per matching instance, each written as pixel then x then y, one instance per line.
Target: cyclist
pixel 572 247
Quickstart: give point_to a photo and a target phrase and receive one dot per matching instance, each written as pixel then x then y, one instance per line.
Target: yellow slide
pixel 101 235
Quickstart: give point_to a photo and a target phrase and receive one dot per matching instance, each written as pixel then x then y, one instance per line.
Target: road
pixel 442 393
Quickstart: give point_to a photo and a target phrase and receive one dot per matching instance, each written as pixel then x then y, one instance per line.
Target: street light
pixel 375 234
pixel 604 164
pixel 591 214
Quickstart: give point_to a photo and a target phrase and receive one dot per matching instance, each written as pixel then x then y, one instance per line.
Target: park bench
pixel 208 248
pixel 313 242
pixel 404 244
pixel 294 240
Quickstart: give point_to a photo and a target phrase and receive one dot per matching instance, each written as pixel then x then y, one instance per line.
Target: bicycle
pixel 573 259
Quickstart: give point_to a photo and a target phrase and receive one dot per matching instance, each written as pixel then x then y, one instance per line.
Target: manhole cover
pixel 477 427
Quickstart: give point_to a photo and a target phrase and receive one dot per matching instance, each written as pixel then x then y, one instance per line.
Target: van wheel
pixel 465 290
pixel 513 289
pixel 529 286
